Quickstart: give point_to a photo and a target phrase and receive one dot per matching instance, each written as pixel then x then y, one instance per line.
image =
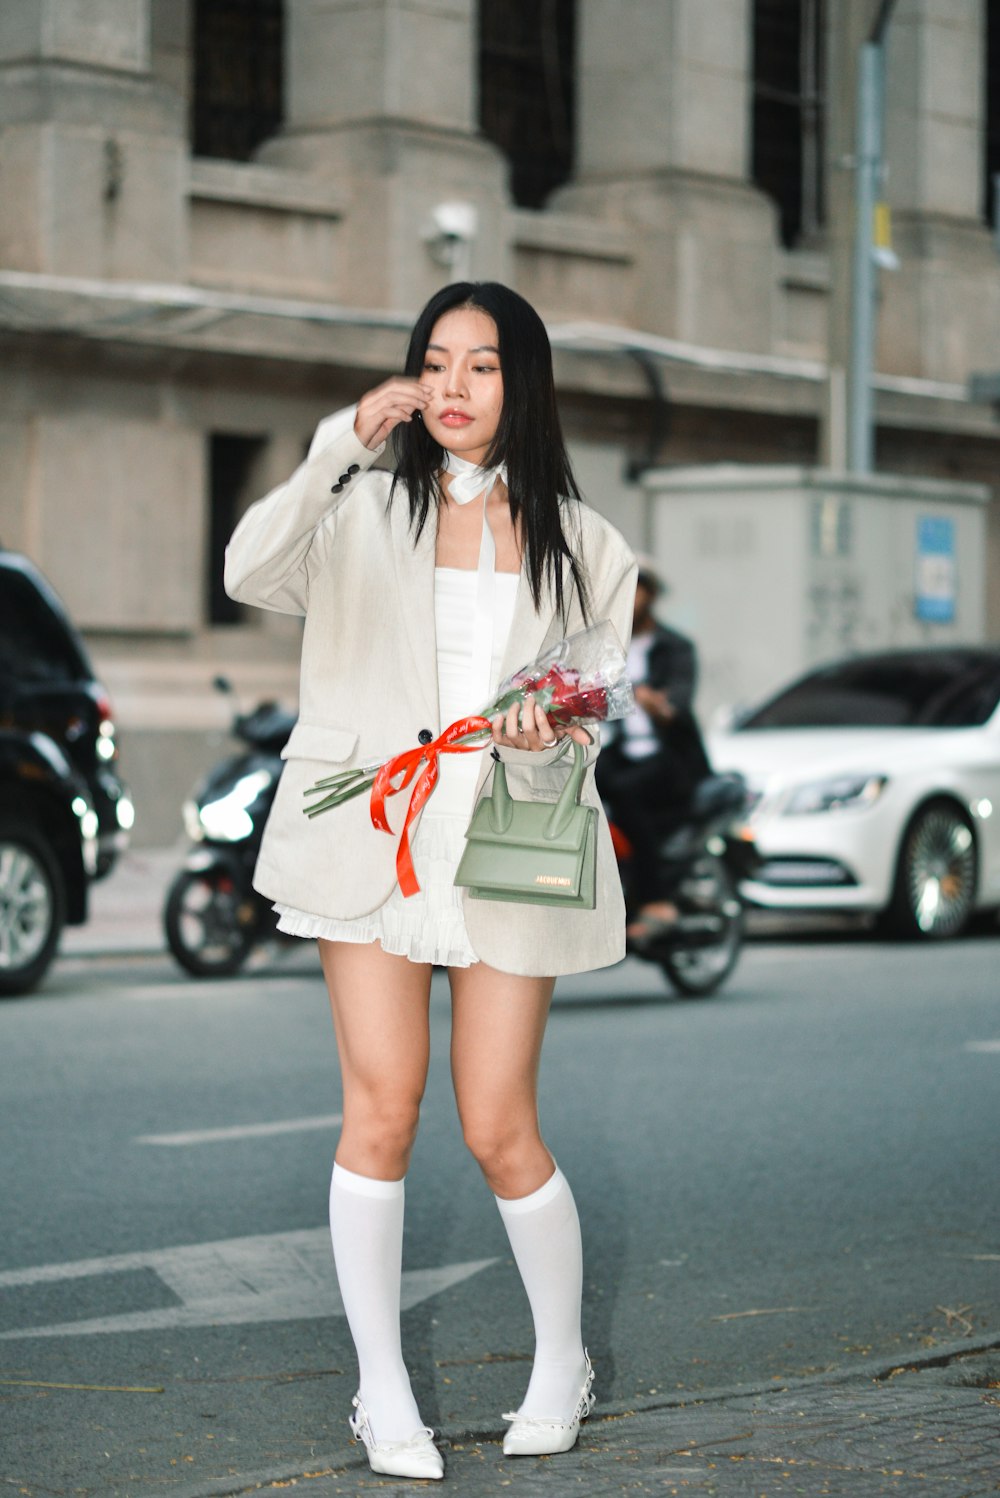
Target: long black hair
pixel 528 437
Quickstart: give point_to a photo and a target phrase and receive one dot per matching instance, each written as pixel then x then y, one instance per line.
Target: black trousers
pixel 647 798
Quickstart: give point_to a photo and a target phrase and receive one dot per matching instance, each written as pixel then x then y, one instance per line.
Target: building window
pixel 233 479
pixel 526 91
pixel 237 94
pixel 992 109
pixel 787 158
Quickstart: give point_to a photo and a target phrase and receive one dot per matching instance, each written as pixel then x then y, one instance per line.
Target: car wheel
pixel 32 906
pixel 211 926
pixel 935 888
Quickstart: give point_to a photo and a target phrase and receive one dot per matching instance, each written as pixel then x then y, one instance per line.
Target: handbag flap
pixel 527 826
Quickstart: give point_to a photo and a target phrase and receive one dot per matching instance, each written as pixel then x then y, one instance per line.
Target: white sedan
pixel 875 786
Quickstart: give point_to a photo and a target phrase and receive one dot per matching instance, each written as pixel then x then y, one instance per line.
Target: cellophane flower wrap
pixel 582 679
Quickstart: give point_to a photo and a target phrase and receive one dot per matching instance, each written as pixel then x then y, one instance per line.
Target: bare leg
pixel 498 1023
pixel 380 1014
pixel 497 1028
pixel 380 1009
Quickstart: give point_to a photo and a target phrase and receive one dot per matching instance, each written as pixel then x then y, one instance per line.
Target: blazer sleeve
pixel 267 556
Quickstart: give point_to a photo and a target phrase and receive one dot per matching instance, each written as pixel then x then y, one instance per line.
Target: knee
pixel 502 1147
pixel 378 1134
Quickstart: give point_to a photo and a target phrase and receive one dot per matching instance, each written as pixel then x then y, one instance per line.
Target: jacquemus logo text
pixel 552 879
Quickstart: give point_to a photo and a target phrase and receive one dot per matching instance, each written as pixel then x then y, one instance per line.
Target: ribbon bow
pixel 405 766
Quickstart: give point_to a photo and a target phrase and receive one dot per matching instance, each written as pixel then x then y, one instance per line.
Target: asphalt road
pixel 794 1178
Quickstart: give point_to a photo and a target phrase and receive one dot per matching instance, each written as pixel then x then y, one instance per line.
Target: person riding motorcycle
pixel 651 762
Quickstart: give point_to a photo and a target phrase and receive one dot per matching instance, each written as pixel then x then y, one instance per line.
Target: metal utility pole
pixel 867 182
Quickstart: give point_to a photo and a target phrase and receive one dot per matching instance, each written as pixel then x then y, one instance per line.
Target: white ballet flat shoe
pixel 530 1435
pixel 416 1457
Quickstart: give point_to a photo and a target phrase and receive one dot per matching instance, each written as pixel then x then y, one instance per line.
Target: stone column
pixel 381 98
pixel 941 309
pixel 663 145
pixel 92 148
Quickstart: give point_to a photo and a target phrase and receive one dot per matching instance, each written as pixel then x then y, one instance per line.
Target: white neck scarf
pixel 468 482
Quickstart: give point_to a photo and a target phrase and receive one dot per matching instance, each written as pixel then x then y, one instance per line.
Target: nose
pixel 454 383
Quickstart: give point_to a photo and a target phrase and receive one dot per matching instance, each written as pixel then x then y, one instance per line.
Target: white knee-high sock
pixel 544 1233
pixel 366 1225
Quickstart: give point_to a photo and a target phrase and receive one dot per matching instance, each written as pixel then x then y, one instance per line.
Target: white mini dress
pixel 430 926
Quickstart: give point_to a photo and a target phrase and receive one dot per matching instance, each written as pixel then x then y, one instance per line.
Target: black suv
pixel 64 812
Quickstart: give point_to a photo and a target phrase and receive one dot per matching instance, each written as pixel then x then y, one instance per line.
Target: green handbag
pixel 533 852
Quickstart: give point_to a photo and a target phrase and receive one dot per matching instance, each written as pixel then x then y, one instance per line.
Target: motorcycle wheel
pixel 696 972
pixel 211 926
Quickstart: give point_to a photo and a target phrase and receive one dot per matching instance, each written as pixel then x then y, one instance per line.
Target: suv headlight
pixel 836 793
pixel 87 818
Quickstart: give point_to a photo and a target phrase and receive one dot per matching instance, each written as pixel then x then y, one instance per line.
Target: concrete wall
pixel 775 570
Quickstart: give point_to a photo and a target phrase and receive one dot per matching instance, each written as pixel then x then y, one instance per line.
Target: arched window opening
pixel 238 63
pixel 526 91
pixel 787 156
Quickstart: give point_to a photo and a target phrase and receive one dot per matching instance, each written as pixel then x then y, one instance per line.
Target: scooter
pixel 703 864
pixel 213 917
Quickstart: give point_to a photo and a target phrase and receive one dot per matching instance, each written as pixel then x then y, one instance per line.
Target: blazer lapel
pixel 530 629
pixel 415 594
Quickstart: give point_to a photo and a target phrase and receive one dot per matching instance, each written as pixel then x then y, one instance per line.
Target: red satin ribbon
pixel 406 765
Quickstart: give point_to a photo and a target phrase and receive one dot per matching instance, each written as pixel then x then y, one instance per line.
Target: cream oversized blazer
pixel 324 545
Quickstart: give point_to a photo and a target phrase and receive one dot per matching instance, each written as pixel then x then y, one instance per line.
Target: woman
pixel 421 591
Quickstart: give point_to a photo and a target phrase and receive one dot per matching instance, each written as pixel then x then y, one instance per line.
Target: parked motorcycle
pixel 703 864
pixel 213 917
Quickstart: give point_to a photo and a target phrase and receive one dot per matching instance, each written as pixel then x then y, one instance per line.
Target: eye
pixel 432 367
pixel 487 368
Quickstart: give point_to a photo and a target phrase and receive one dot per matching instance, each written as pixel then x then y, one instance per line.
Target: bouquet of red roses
pixel 581 679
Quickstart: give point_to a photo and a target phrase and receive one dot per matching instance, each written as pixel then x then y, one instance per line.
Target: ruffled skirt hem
pixel 426 927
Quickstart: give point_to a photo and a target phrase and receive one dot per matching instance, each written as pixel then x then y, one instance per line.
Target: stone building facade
pixel 217 219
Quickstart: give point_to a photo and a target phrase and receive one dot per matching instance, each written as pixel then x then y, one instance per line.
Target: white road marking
pixel 244 1131
pixel 984 1047
pixel 234 1282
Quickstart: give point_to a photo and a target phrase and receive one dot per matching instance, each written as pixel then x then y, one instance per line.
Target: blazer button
pixel 337 489
pixel 424 736
pixel 354 468
pixel 345 478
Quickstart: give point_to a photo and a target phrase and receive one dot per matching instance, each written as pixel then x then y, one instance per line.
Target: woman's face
pixel 462 366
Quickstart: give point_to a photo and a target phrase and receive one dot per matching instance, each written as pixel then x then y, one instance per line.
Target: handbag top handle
pixel 502 803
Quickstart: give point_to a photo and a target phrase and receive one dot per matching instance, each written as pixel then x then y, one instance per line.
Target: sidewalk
pixel 931 1431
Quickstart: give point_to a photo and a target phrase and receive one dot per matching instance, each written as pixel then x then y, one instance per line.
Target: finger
pixel 581 736
pixel 529 723
pixel 499 729
pixel 512 726
pixel 541 728
pixel 546 732
pixel 534 724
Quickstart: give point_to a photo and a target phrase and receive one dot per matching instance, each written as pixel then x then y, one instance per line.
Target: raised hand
pixel 382 409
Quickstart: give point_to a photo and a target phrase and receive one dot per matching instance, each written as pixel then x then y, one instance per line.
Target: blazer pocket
pixel 316 741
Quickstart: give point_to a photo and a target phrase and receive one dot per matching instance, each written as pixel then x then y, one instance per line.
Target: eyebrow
pixel 483 348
